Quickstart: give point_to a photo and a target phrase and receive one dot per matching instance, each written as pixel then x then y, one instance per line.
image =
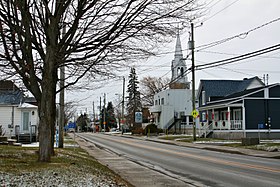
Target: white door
pixel 25 122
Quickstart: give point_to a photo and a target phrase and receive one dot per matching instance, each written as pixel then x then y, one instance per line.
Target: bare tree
pixel 150 86
pixel 90 38
pixel 70 111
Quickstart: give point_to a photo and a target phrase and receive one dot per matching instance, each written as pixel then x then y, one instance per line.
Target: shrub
pixel 152 128
pixel 138 130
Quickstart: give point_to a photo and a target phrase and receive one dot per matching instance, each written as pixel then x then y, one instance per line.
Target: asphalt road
pixel 207 167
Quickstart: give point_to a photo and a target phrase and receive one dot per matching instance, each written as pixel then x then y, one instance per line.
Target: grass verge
pixel 19 160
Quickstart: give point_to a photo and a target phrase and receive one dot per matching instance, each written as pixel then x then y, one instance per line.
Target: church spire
pixel 178 47
pixel 178 67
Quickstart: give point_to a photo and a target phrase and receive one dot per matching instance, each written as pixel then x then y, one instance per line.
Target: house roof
pixel 222 88
pixel 10 94
pixel 11 97
pixel 27 105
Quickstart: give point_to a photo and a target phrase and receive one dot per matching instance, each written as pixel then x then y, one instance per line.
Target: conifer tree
pixel 134 99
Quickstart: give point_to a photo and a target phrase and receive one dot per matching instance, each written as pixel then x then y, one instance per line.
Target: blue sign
pixel 71 125
pixel 261 126
pixel 138 117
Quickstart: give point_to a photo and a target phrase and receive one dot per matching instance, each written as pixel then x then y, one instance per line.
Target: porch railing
pixel 236 124
pixel 227 125
pixel 207 129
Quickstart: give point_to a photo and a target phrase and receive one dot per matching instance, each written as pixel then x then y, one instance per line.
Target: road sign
pixel 194 113
pixel 138 117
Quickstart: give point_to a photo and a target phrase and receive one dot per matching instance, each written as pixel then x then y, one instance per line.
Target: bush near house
pixel 151 128
pixel 138 130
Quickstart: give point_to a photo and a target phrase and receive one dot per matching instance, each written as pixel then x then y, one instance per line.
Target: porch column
pixel 243 119
pixel 213 117
pixel 228 116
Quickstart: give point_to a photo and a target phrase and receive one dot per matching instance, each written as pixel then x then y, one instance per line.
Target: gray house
pixel 233 109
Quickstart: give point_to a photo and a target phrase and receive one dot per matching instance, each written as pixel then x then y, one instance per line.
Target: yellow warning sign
pixel 194 113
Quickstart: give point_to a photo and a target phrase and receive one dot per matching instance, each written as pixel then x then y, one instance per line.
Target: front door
pixel 25 122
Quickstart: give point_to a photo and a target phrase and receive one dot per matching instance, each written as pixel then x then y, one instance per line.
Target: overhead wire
pixel 221 10
pixel 238 58
pixel 212 44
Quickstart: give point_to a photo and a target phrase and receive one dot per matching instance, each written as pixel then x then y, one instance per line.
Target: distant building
pixel 172 108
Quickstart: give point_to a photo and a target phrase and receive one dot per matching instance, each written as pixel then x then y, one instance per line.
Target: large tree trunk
pixel 46 126
pixel 47 110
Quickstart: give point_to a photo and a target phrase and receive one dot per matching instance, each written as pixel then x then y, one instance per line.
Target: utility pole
pixel 123 100
pixel 93 114
pixel 100 125
pixel 193 81
pixel 61 100
pixel 104 114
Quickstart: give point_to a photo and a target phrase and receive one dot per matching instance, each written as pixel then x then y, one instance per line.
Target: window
pixel 155 102
pixel 162 101
pixel 182 72
pixel 203 98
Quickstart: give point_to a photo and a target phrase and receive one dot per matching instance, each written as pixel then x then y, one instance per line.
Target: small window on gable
pixel 203 98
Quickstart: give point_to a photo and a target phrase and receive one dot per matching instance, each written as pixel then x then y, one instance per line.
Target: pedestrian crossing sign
pixel 194 113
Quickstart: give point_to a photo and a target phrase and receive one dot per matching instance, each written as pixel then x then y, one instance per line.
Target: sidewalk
pixel 218 148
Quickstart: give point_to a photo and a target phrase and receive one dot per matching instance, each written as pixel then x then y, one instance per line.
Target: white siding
pixel 175 101
pixel 254 84
pixel 6 118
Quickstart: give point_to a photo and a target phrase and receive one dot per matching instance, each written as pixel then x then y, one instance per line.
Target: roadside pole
pixel 191 46
pixel 61 101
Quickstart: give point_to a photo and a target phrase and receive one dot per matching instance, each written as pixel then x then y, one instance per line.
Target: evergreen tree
pixel 134 99
pixel 110 115
pixel 83 122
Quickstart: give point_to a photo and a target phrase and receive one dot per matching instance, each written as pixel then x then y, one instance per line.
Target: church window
pixel 182 72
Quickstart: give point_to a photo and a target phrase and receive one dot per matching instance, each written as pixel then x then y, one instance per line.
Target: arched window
pixel 178 71
pixel 182 72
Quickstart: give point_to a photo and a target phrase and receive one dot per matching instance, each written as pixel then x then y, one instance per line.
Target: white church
pixel 172 107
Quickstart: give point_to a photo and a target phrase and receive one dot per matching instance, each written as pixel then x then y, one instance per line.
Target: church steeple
pixel 178 48
pixel 179 79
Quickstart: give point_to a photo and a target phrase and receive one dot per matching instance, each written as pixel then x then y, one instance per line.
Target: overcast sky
pixel 224 19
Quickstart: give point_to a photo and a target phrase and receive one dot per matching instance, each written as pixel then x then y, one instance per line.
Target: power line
pixel 220 10
pixel 236 71
pixel 235 54
pixel 239 58
pixel 241 35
